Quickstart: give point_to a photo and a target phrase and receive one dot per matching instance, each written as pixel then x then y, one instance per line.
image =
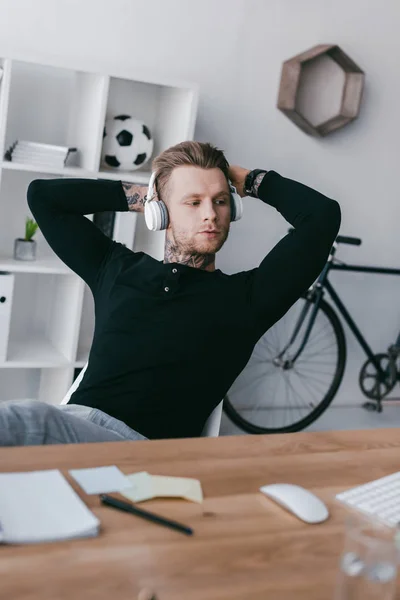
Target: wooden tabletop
pixel 244 546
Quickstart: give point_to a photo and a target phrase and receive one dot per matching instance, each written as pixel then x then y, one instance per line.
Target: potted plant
pixel 25 248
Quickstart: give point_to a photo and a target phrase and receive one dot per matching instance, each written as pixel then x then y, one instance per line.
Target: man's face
pixel 199 209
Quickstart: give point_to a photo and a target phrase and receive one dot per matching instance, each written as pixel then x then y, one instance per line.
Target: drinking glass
pixel 368 564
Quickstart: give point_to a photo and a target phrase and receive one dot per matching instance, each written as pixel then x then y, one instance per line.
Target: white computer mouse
pixel 302 503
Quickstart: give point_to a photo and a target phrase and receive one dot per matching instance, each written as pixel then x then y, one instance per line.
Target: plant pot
pixel 24 249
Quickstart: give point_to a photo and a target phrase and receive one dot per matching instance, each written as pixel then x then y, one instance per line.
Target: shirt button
pixel 166 289
pixel 174 270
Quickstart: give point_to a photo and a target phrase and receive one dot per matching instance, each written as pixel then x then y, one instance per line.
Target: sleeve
pixel 59 206
pixel 297 260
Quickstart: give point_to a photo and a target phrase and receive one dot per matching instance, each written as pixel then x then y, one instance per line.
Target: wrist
pixel 253 181
pixel 135 196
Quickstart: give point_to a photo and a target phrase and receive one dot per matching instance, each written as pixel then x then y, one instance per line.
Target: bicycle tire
pixel 337 327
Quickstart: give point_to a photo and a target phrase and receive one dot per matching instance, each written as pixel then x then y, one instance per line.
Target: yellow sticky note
pixel 183 487
pixel 146 486
pixel 142 487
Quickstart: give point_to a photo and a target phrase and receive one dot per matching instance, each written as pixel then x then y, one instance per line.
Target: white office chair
pixel 213 423
pixel 211 427
pixel 74 386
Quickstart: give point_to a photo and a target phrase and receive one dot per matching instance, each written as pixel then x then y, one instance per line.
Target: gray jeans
pixel 31 423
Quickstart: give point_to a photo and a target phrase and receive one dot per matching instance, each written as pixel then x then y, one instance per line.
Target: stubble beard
pixel 200 256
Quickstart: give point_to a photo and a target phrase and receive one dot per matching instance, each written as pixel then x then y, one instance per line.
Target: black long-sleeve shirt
pixel 162 360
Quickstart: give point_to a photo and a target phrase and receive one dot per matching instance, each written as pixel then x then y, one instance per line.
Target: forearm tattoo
pixel 135 195
pixel 172 254
pixel 257 183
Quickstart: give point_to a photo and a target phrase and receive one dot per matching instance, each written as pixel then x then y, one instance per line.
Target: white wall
pixel 234 50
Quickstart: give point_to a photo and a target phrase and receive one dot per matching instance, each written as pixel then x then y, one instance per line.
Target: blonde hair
pixel 197 154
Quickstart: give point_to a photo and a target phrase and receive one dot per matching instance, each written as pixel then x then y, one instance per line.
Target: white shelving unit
pixel 52 312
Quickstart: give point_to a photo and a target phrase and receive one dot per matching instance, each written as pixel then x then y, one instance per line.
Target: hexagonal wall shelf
pixel 305 96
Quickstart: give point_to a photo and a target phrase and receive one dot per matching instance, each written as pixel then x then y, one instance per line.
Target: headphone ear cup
pixel 155 212
pixel 156 215
pixel 150 216
pixel 236 207
pixel 164 214
pixel 236 203
pixel 233 208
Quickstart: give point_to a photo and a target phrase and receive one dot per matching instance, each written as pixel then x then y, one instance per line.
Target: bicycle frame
pixel 303 326
pixel 323 283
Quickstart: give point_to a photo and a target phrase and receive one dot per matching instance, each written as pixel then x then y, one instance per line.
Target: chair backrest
pixel 211 428
pixel 213 423
pixel 74 386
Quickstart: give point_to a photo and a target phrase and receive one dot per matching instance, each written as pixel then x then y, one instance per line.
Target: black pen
pixel 119 504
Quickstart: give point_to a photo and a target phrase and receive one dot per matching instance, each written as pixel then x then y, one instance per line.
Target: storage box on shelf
pixel 52 313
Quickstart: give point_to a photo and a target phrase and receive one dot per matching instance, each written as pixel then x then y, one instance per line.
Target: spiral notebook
pixel 41 506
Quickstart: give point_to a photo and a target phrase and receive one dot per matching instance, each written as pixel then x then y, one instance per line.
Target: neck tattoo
pixel 174 254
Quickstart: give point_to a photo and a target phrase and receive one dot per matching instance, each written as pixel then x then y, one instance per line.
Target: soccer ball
pixel 127 143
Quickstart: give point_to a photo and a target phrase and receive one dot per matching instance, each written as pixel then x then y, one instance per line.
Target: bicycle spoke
pixel 266 342
pixel 297 394
pixel 317 337
pixel 309 370
pixel 318 353
pixel 307 383
pixel 273 395
pixel 315 362
pixel 316 381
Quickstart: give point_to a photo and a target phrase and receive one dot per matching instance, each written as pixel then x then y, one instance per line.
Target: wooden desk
pixel 244 547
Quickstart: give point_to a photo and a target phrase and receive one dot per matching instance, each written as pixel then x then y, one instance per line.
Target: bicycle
pixel 296 345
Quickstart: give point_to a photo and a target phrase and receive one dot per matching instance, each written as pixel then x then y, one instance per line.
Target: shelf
pixel 132 176
pixel 167 110
pixel 52 319
pixel 34 353
pixel 65 107
pixel 67 171
pixel 321 89
pixel 50 266
pixel 14 209
pixel 45 312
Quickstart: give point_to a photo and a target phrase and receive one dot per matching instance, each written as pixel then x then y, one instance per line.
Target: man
pixel 171 336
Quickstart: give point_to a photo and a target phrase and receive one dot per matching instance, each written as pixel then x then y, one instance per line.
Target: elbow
pixel 337 215
pixel 35 192
pixel 333 217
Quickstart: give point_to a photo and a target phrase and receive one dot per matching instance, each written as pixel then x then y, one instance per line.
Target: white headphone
pixel 156 212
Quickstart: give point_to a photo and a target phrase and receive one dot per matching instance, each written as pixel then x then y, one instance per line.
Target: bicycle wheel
pixel 271 395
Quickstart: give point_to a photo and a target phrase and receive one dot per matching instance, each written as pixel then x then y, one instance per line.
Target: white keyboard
pixel 379 499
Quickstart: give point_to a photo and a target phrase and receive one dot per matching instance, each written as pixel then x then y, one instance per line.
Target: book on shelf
pixel 42 155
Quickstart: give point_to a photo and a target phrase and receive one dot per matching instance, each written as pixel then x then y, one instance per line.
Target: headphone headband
pixel 151 188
